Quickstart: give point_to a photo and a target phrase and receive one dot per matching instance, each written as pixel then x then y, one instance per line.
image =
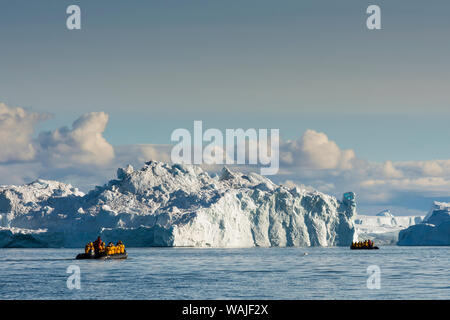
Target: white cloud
pixel 82 156
pixel 389 170
pixel 79 155
pixel 426 168
pixel 17 126
pixel 433 168
pixel 138 154
pixel 423 183
pixel 315 151
pixel 83 144
pixel 378 197
pixel 19 173
pixel 372 183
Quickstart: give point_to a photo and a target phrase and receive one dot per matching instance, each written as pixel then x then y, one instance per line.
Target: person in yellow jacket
pixel 109 249
pixel 87 248
pixel 102 247
pixel 120 247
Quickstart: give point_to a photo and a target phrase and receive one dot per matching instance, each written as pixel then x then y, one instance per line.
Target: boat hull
pixel 101 256
pixel 372 248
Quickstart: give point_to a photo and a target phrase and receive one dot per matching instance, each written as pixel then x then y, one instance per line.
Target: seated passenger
pixel 87 248
pixel 120 247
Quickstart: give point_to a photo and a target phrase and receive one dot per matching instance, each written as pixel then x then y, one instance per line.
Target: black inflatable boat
pixel 103 256
pixel 364 248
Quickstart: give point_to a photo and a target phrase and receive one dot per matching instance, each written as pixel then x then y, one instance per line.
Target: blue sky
pixel 154 66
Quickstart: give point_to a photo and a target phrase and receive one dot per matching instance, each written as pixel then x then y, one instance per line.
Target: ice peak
pixel 385 213
pixel 226 174
pixel 122 173
pixel 440 205
pixel 440 212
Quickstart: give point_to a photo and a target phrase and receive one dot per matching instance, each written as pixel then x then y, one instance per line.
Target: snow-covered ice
pixel 385 213
pixel 433 231
pixel 384 227
pixel 174 205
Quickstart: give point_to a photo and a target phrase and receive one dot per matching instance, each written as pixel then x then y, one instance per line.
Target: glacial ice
pixel 384 227
pixel 174 205
pixel 433 231
pixel 385 213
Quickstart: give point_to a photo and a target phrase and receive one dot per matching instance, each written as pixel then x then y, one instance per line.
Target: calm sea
pixel 255 273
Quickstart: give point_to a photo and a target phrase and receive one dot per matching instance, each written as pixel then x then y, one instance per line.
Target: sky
pixel 309 68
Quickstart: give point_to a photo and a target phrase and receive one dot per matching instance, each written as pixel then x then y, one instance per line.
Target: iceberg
pixel 433 231
pixel 385 213
pixel 175 205
pixel 384 227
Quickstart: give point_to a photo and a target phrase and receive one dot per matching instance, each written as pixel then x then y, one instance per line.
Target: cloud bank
pixel 83 144
pixel 16 129
pixel 81 155
pixel 314 151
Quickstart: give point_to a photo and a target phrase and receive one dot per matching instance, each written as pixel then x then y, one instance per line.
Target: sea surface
pixel 253 273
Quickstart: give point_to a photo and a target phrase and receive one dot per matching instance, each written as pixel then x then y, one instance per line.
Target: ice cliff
pixel 384 227
pixel 433 231
pixel 174 205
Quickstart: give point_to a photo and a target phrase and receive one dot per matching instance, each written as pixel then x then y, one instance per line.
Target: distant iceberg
pixel 174 205
pixel 385 213
pixel 384 227
pixel 433 231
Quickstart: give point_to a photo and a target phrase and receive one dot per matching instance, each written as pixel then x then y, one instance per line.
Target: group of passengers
pixel 363 244
pixel 98 247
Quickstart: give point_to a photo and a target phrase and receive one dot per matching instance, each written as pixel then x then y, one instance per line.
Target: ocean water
pixel 254 273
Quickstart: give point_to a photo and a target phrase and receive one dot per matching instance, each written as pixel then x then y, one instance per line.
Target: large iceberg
pixel 174 205
pixel 433 231
pixel 384 227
